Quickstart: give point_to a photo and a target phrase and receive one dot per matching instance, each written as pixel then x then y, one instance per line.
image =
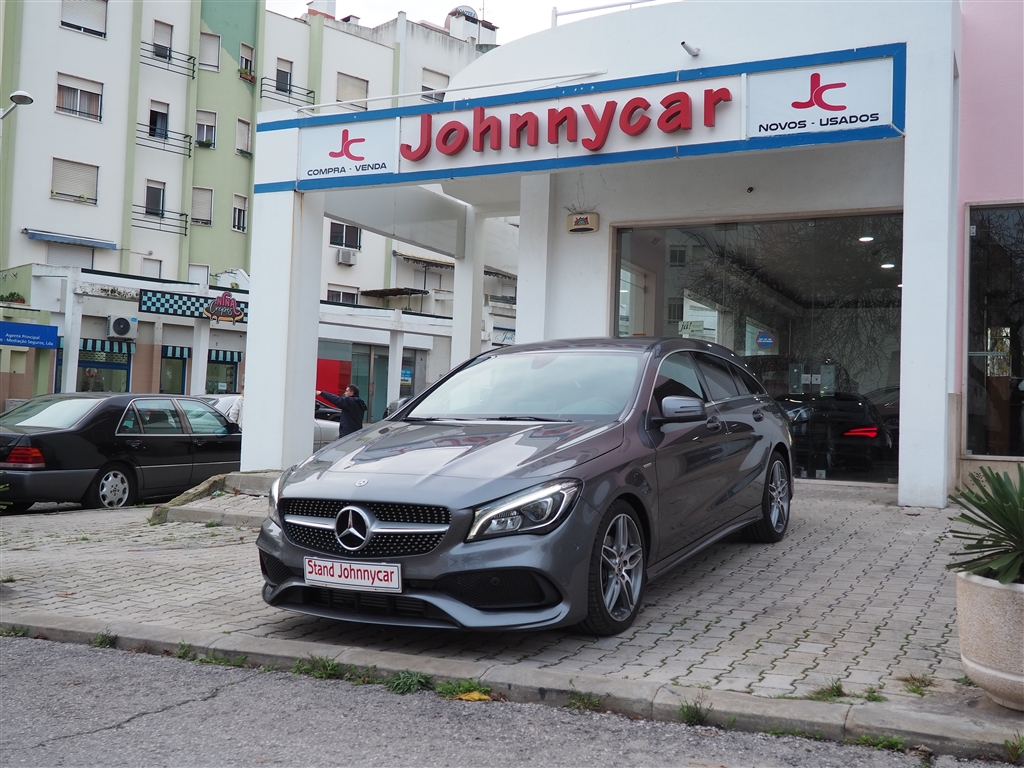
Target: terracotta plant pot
pixel 990 618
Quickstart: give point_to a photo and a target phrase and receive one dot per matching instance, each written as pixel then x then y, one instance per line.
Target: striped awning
pixel 106 345
pixel 225 356
pixel 170 351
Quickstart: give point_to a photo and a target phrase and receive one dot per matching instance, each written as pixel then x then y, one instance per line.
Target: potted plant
pixel 13 298
pixel 246 75
pixel 990 583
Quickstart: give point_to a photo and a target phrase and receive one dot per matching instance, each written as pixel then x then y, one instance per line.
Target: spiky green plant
pixel 994 507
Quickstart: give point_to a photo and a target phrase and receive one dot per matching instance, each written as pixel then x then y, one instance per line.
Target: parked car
pixel 325 431
pixel 887 401
pixel 534 486
pixel 111 450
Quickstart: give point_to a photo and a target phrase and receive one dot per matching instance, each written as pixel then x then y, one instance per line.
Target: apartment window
pixel 74 181
pixel 245 58
pixel 202 206
pixel 89 16
pixel 158 119
pixel 199 274
pixel 434 81
pixel 206 128
pixel 351 88
pixel 284 76
pixel 243 134
pixel 155 198
pixel 76 96
pixel 342 293
pixel 64 255
pixel 239 209
pixel 162 34
pixel 151 267
pixel 209 51
pixel 346 236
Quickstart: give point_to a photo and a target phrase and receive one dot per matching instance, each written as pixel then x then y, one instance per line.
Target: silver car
pixel 534 486
pixel 325 431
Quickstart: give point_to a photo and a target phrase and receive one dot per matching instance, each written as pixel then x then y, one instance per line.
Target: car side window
pixel 130 423
pixel 677 377
pixel 721 385
pixel 159 417
pixel 203 419
pixel 747 384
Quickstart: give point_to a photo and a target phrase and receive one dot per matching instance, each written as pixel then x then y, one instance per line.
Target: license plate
pixel 362 577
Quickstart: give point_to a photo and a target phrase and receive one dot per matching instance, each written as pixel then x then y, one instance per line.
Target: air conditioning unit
pixel 346 257
pixel 121 327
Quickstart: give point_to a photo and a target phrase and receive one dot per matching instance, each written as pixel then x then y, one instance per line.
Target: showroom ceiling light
pixel 866 239
pixel 888 265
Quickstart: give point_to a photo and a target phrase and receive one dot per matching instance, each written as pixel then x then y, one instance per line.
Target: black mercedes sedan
pixel 534 486
pixel 111 450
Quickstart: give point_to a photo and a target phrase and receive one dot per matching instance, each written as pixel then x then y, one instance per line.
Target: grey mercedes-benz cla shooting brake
pixel 534 486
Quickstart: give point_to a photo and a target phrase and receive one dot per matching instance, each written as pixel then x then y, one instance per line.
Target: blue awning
pixel 54 237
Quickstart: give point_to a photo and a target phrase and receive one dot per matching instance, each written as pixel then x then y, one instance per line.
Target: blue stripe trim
pixel 899 87
pixel 275 186
pixel 897 51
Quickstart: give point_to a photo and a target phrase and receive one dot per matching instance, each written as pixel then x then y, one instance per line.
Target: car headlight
pixel 273 499
pixel 536 510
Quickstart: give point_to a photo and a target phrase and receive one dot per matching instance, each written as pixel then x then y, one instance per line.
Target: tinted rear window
pixel 49 413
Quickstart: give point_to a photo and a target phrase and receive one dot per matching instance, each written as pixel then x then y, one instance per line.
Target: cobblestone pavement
pixel 857 591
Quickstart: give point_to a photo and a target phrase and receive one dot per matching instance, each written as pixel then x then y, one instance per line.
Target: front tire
pixel 618 572
pixel 113 488
pixel 775 503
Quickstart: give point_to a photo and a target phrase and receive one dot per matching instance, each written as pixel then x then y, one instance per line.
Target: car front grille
pixel 274 570
pixel 386 512
pixel 367 603
pixel 381 545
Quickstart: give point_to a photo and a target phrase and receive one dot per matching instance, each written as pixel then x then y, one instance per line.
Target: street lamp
pixel 18 97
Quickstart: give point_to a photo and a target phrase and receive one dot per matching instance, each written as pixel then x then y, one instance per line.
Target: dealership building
pixel 833 190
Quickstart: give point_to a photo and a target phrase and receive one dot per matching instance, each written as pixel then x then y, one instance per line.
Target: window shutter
pixel 151 267
pixel 283 65
pixel 85 14
pixel 351 88
pixel 162 34
pixel 209 50
pixel 158 106
pixel 202 205
pixel 206 118
pixel 80 84
pixel 74 179
pixel 242 135
pixel 64 255
pixel 434 81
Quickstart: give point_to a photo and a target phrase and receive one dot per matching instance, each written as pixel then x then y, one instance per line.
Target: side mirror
pixel 396 405
pixel 233 428
pixel 678 410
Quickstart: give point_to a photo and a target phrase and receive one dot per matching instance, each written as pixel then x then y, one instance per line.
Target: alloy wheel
pixel 622 567
pixel 113 489
pixel 778 495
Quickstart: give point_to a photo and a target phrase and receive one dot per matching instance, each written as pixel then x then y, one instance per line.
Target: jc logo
pixel 346 147
pixel 817 98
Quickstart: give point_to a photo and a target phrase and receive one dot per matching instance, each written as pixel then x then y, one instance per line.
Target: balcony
pixel 271 88
pixel 156 137
pixel 145 217
pixel 162 57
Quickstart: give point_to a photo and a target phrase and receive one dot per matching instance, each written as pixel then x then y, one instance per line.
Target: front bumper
pixel 34 485
pixel 512 582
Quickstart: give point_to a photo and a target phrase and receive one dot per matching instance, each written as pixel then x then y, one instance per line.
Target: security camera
pixel 693 51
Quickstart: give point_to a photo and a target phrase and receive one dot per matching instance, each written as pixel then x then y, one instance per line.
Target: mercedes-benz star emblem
pixel 352 528
pixel 361 483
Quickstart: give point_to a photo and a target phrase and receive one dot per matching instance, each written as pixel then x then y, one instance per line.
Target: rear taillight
pixel 24 457
pixel 862 432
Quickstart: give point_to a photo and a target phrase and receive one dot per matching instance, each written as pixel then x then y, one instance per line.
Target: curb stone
pixel 955 736
pixel 190 514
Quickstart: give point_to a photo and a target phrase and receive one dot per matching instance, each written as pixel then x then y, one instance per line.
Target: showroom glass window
pixel 994 394
pixel 811 305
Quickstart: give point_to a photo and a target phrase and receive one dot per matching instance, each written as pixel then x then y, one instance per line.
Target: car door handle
pixel 714 424
pixel 758 414
pixel 199 442
pixel 134 444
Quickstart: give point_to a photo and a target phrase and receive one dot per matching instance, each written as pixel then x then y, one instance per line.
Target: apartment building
pixel 125 190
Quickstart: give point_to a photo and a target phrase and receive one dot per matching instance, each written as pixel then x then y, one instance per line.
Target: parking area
pixel 857 591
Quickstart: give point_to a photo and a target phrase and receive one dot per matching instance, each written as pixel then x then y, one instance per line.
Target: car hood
pixel 428 456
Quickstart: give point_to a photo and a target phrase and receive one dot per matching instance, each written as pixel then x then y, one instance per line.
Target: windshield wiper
pixel 434 418
pixel 523 418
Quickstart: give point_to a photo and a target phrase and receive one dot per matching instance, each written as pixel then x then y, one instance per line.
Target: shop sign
pixel 28 335
pixel 224 307
pixel 765 340
pixel 406 377
pixel 690 326
pixel 190 305
pixel 718 109
pixel 502 337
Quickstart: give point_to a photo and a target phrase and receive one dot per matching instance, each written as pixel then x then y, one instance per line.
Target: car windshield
pixel 549 385
pixel 49 413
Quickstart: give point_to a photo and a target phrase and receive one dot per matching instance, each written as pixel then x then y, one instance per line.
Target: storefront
pixel 793 190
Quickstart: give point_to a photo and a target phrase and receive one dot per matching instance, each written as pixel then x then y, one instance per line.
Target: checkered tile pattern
pixel 180 304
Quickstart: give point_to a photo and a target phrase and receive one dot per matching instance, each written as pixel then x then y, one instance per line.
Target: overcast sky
pixel 514 18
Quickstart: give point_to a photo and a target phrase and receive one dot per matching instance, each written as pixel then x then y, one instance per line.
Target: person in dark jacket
pixel 352 408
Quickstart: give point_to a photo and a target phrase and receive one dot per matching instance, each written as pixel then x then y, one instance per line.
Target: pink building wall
pixel 991 119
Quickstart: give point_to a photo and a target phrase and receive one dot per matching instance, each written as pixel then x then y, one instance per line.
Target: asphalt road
pixel 76 705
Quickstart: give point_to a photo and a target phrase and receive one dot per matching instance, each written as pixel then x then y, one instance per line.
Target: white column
pixel 468 304
pixel 396 346
pixel 284 311
pixel 72 333
pixel 534 240
pixel 927 339
pixel 200 356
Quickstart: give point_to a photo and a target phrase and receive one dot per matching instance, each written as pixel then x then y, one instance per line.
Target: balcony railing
pixel 162 139
pixel 271 88
pixel 162 57
pixel 144 217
